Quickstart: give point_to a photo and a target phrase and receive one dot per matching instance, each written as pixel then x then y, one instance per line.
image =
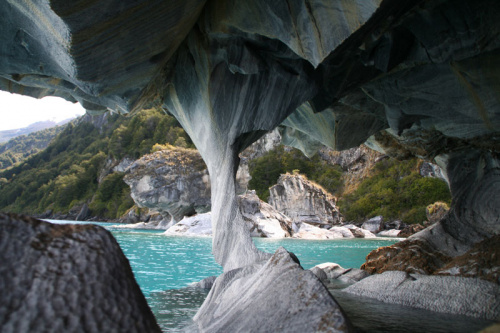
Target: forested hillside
pixel 391 188
pixel 18 149
pixel 76 167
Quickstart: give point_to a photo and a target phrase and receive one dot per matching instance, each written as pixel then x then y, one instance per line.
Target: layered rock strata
pixel 67 278
pixel 414 78
pixel 304 201
pixel 173 181
pixel 250 299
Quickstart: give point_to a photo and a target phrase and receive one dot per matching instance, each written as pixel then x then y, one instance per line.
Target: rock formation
pixel 174 181
pixel 261 302
pixel 304 201
pixel 471 294
pixel 411 78
pixel 67 278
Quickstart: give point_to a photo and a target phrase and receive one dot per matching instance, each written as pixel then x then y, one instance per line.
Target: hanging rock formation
pixel 411 78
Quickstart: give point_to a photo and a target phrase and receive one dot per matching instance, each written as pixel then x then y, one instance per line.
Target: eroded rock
pixel 174 182
pixel 304 201
pixel 251 299
pixel 456 295
pixel 54 277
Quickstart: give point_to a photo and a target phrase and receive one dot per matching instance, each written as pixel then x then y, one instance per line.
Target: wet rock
pixel 455 295
pixel 55 276
pixel 304 201
pixel 206 283
pixel 251 299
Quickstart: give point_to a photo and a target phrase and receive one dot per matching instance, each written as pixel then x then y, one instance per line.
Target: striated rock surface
pixel 251 299
pixel 173 181
pixel 304 201
pixel 262 219
pixel 67 278
pixel 471 297
pixel 409 78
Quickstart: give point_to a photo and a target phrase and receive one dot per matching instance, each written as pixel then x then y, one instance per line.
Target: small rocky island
pixel 407 78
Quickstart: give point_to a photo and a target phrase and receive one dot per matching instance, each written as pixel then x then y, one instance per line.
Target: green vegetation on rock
pixel 395 190
pixel 66 174
pixel 266 170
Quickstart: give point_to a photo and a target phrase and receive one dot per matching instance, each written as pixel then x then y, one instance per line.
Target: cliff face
pixel 173 181
pixel 304 201
pixel 411 77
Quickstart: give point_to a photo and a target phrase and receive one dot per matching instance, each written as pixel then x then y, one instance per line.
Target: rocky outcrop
pixel 198 225
pixel 262 219
pixel 172 181
pixel 304 201
pixel 418 256
pixel 409 78
pixel 251 299
pixel 374 225
pixel 469 295
pixel 54 277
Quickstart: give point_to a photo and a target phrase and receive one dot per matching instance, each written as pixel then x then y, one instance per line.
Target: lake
pixel 165 265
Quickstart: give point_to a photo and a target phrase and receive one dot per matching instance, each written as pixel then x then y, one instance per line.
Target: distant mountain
pixel 21 147
pixel 38 126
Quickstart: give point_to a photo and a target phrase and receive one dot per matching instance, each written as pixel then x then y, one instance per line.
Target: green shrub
pixel 266 170
pixel 395 190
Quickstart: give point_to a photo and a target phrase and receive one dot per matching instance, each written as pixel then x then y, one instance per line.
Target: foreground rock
pixel 304 201
pixel 67 278
pixel 456 295
pixel 251 299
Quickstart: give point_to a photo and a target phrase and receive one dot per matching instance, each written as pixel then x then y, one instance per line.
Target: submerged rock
pixel 304 201
pixel 455 295
pixel 67 278
pixel 252 299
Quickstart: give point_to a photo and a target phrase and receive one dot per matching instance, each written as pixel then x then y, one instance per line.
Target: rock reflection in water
pixel 373 316
pixel 174 309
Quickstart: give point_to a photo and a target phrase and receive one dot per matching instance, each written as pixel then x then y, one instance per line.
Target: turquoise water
pixel 165 265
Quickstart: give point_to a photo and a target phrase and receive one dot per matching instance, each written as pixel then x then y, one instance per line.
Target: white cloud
pixel 17 111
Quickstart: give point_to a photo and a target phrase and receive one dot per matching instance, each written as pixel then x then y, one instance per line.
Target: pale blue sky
pixel 17 111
